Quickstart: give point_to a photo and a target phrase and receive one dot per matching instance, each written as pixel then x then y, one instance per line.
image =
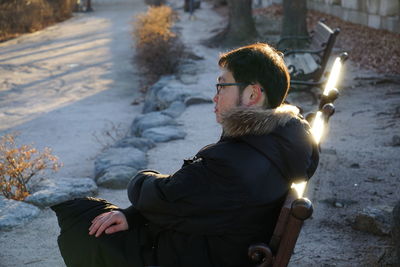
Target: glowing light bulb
pixel 317 128
pixel 334 76
pixel 299 187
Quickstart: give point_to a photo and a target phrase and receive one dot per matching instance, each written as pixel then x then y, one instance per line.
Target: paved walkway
pixel 65 82
pixel 58 87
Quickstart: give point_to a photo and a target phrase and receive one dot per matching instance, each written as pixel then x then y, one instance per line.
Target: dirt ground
pixel 358 167
pixel 359 162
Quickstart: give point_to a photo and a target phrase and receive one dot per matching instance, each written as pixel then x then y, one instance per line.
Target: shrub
pixel 158 49
pixel 22 16
pixel 19 164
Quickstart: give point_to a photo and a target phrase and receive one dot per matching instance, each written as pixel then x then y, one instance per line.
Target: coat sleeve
pixel 171 195
pixel 133 216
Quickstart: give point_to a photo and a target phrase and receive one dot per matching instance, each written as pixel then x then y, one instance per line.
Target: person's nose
pixel 215 99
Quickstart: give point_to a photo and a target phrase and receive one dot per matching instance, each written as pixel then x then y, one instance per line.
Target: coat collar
pixel 242 121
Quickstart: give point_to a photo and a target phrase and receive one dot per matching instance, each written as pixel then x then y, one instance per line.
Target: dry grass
pixel 18 164
pixel 23 16
pixel 110 134
pixel 158 49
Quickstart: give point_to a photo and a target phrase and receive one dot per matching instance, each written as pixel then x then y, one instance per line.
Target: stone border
pixel 165 101
pixel 46 193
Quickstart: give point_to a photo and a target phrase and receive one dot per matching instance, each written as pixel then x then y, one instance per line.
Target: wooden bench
pixel 293 213
pixel 307 66
pixel 295 210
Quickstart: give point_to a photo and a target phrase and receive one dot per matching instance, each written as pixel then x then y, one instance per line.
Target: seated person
pixel 228 196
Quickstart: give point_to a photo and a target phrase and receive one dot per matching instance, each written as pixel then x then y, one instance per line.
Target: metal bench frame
pixel 320 44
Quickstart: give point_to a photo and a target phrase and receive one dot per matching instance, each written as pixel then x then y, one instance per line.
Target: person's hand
pixel 109 222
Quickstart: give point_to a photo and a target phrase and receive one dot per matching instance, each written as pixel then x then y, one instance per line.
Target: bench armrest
pixel 293 213
pixel 261 255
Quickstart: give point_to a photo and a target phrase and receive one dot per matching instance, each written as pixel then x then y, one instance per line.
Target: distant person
pixel 227 197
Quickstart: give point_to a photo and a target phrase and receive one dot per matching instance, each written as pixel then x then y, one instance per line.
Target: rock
pixel 121 156
pixel 116 177
pixel 164 134
pixel 165 92
pixel 50 192
pixel 175 109
pixel 14 213
pixel 188 79
pixel 142 144
pixel 188 67
pixel 150 120
pixel 169 94
pixel 150 102
pixel 197 99
pixel 375 220
pixel 396 230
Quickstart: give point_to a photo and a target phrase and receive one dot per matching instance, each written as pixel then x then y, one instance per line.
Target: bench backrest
pixel 323 39
pixel 308 65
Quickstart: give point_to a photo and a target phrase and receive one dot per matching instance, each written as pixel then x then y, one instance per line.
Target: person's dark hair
pixel 260 63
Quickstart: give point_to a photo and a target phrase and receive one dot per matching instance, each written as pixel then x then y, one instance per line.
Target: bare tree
pixel 241 28
pixel 294 21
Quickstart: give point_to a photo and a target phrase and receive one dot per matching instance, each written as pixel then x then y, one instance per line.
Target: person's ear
pixel 255 95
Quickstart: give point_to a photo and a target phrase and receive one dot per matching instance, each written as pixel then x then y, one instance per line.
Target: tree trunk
pixel 294 21
pixel 241 28
pixel 89 6
pixel 218 3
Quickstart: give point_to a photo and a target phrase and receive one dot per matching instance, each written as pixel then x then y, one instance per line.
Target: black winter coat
pixel 228 196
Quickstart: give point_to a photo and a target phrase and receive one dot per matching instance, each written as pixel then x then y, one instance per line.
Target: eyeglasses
pixel 219 86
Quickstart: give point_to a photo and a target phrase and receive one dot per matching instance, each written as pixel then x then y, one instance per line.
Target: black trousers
pixel 78 248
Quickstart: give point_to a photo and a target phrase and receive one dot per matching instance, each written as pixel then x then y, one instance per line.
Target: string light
pixel 318 125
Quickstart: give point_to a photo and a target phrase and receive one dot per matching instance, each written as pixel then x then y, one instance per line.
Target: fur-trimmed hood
pixel 281 135
pixel 243 121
